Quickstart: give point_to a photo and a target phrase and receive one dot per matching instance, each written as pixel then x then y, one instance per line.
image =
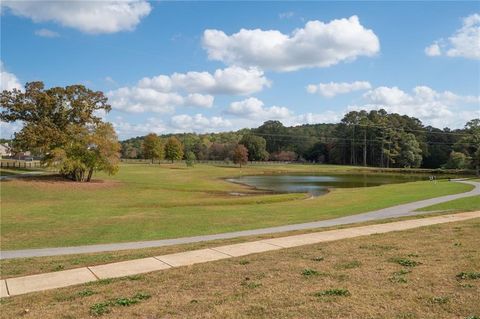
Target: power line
pixel 403 129
pixel 287 137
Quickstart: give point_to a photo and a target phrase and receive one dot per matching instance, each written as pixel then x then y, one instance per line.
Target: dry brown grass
pixel 271 285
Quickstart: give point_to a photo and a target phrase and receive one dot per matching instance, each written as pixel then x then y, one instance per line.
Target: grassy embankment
pixel 145 202
pixel 394 275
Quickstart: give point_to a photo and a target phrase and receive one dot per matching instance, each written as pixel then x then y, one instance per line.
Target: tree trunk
pixel 352 160
pixel 372 154
pixel 388 157
pixel 90 173
pixel 381 154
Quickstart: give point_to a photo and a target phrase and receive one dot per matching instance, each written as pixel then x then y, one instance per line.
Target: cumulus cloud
pixel 96 16
pixel 9 81
pixel 176 124
pixel 314 118
pixel 333 88
pixel 163 93
pixel 465 42
pixel 199 123
pixel 253 108
pixel 318 44
pixel 197 99
pixel 433 50
pixel 8 129
pixel 139 100
pixel 46 33
pixel 231 80
pixel 439 109
pixel 252 112
pixel 126 129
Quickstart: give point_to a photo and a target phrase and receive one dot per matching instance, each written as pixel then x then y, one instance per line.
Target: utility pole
pixel 352 160
pixel 365 146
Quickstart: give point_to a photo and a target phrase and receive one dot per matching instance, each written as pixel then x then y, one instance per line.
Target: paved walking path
pixel 27 284
pixel 21 175
pixel 390 212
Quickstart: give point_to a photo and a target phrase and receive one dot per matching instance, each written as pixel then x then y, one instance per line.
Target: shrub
pixel 309 272
pixel 99 309
pixel 468 275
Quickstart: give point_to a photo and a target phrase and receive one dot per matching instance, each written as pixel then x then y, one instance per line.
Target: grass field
pixel 394 275
pixel 145 202
pixel 461 204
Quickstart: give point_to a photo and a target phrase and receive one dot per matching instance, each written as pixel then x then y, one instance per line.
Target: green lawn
pixel 146 202
pixel 462 204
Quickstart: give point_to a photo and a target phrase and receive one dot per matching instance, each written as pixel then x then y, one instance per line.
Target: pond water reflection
pixel 318 185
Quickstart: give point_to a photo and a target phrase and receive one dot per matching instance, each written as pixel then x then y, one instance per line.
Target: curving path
pixel 394 211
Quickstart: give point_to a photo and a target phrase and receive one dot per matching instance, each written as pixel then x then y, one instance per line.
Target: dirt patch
pixel 61 183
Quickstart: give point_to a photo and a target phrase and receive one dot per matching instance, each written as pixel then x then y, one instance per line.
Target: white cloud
pixel 8 80
pixel 197 99
pixel 161 83
pixel 163 93
pixel 96 16
pixel 286 15
pixel 252 112
pixel 8 129
pixel 465 42
pixel 439 109
pixel 231 80
pixel 433 50
pixel 176 124
pixel 318 44
pixel 333 88
pixel 314 118
pixel 46 33
pixel 110 81
pixel 199 123
pixel 253 108
pixel 139 100
pixel 126 129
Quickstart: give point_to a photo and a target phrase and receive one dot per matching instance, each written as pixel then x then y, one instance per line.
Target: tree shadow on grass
pixel 58 181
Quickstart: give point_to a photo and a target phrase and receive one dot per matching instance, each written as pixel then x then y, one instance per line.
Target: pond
pixel 317 185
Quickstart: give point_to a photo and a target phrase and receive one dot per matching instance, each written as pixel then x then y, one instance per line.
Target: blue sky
pixel 415 58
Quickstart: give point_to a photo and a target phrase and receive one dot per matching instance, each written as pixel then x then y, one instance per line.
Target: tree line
pixel 374 138
pixel 62 126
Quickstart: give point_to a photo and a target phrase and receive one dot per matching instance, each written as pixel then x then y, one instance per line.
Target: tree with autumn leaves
pixel 173 149
pixel 240 155
pixel 153 147
pixel 63 126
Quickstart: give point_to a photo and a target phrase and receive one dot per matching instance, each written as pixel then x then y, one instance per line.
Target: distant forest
pixel 374 138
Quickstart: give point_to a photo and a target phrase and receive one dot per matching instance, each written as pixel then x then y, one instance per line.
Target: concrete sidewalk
pixel 27 284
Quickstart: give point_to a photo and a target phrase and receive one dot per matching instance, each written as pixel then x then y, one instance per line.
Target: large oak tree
pixel 62 124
